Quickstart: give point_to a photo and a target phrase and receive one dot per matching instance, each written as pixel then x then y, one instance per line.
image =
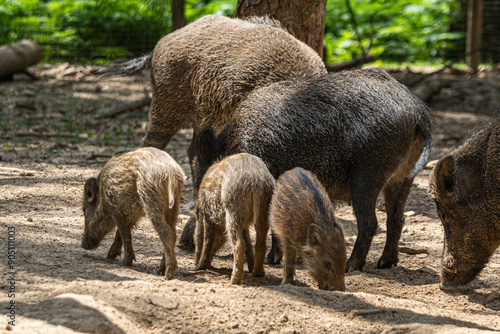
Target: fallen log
pixel 16 57
pixel 122 108
pixel 426 89
pixel 337 67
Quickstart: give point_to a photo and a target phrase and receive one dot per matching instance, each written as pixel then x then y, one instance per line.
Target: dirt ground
pixel 52 138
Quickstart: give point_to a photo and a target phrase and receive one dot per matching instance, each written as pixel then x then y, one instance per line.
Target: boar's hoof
pixel 170 272
pixel 274 256
pixel 386 264
pixel 258 273
pixel 452 287
pixel 236 280
pixel 160 271
pixel 353 265
pixel 127 261
pixel 112 254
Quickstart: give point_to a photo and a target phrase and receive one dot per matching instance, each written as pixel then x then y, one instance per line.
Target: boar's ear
pixel 469 178
pixel 90 190
pixel 445 173
pixel 205 147
pixel 314 235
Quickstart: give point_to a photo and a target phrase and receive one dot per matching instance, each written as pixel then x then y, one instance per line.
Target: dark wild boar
pixel 144 182
pixel 235 194
pixel 302 217
pixel 200 73
pixel 465 185
pixel 360 132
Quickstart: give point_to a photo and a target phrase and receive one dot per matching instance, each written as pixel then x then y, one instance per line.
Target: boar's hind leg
pixel 164 224
pixel 261 229
pixel 116 248
pixel 162 126
pixel 248 249
pixel 363 199
pixel 289 261
pixel 395 194
pixel 275 253
pixel 237 236
pixel 207 251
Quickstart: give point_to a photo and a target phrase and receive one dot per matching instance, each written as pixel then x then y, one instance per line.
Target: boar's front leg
pixel 116 248
pixel 364 193
pixel 128 250
pixel 395 195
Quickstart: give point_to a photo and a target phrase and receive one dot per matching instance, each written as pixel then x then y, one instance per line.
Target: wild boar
pixel 302 217
pixel 201 73
pixel 144 182
pixel 360 132
pixel 465 186
pixel 235 194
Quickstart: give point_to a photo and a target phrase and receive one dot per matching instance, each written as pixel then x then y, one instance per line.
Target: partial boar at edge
pixel 465 187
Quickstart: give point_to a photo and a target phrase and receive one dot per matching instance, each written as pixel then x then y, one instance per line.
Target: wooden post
pixel 473 43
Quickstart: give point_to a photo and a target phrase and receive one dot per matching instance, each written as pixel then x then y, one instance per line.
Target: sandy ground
pixel 52 135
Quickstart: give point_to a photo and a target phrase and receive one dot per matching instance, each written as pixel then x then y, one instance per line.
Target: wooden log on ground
pixel 337 67
pixel 16 57
pixel 122 108
pixel 429 87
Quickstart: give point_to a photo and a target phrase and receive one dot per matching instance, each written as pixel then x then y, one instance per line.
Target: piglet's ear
pixel 445 173
pixel 205 147
pixel 314 235
pixel 90 190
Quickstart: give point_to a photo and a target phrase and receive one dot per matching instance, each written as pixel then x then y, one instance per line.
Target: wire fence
pixel 490 45
pixel 132 40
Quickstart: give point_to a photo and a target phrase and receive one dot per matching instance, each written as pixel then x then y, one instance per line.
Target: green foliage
pixel 406 30
pixel 98 31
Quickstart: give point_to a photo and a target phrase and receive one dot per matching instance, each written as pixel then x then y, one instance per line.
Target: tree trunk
pixel 305 19
pixel 178 18
pixel 16 57
pixel 473 41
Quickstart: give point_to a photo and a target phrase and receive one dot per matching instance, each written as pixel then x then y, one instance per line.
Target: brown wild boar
pixel 234 194
pixel 465 185
pixel 200 73
pixel 302 217
pixel 360 132
pixel 143 182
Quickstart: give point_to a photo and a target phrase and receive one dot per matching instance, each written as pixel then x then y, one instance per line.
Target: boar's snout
pixel 339 286
pixel 89 242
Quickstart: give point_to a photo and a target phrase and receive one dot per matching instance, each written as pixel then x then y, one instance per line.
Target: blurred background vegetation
pixel 99 31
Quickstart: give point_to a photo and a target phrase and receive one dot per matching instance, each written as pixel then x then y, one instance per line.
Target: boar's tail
pixel 171 197
pixel 424 157
pixel 127 68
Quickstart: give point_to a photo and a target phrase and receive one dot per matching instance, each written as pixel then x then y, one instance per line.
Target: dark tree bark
pixel 305 19
pixel 178 18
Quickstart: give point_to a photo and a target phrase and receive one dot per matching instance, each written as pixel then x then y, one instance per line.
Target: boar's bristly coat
pixel 303 218
pixel 360 132
pixel 465 186
pixel 234 195
pixel 143 182
pixel 201 73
